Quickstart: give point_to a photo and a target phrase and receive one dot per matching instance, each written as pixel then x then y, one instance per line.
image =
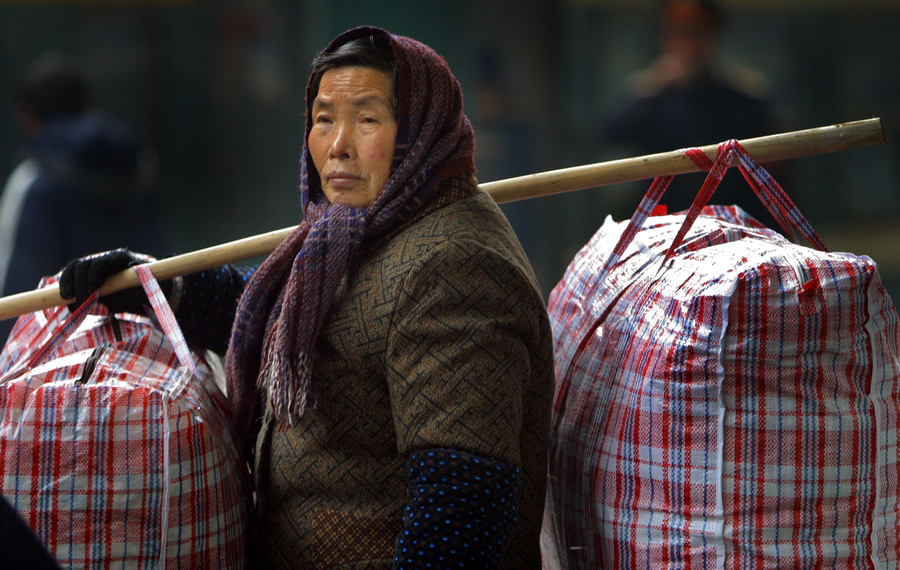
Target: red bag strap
pixel 164 316
pixel 770 193
pixel 63 331
pixel 700 159
pixel 766 188
pixel 644 211
pixel 775 198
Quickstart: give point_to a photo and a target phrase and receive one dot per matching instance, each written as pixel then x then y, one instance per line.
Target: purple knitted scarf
pixel 282 311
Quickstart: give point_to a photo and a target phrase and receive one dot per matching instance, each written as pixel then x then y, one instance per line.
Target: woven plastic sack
pixel 114 445
pixel 726 398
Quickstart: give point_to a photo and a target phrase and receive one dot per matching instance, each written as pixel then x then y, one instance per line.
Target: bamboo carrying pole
pixel 763 149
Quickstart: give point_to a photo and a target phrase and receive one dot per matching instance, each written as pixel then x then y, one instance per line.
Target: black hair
pixel 54 88
pixel 373 52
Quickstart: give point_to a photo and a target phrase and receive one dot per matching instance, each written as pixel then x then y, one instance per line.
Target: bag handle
pixel 704 163
pixel 64 329
pixel 164 316
pixel 766 188
pixel 772 195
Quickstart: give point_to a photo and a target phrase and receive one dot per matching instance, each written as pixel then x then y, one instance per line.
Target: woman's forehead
pixel 356 82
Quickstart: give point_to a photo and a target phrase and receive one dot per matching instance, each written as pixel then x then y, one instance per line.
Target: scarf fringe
pixel 287 386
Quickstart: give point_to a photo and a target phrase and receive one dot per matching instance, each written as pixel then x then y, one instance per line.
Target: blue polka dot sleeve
pixel 462 507
pixel 208 305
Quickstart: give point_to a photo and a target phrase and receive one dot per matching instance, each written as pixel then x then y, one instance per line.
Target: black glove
pixel 81 277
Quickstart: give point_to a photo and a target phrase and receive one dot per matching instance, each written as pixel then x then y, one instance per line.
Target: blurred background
pixel 217 87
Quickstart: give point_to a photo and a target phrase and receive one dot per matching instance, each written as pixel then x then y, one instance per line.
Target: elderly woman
pixel 391 361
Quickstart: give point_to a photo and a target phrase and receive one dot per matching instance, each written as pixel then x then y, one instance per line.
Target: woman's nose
pixel 342 145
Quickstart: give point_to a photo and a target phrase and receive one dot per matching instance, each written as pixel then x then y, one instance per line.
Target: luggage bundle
pixel 726 398
pixel 115 445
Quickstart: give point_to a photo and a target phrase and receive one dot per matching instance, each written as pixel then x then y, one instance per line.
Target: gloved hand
pixel 81 277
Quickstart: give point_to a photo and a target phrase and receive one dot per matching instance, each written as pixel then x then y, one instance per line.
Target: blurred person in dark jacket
pixel 86 182
pixel 688 97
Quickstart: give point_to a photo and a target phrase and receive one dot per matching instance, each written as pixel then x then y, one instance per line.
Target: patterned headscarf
pixel 282 311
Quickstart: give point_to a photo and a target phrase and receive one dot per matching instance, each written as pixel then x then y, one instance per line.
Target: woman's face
pixel 353 132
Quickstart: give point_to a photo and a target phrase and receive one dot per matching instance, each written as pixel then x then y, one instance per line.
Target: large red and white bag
pixel 726 398
pixel 114 442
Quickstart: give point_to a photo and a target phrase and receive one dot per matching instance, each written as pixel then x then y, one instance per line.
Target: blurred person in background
pixel 390 364
pixel 86 182
pixel 687 97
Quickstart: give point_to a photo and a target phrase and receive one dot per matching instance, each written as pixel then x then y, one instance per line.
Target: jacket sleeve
pixel 207 305
pixel 459 362
pixel 461 509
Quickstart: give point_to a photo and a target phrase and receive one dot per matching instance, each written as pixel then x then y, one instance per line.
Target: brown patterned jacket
pixel 439 338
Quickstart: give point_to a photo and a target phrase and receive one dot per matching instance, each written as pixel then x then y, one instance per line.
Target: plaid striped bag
pixel 726 398
pixel 114 445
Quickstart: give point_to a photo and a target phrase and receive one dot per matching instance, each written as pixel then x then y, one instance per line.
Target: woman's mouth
pixel 338 179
